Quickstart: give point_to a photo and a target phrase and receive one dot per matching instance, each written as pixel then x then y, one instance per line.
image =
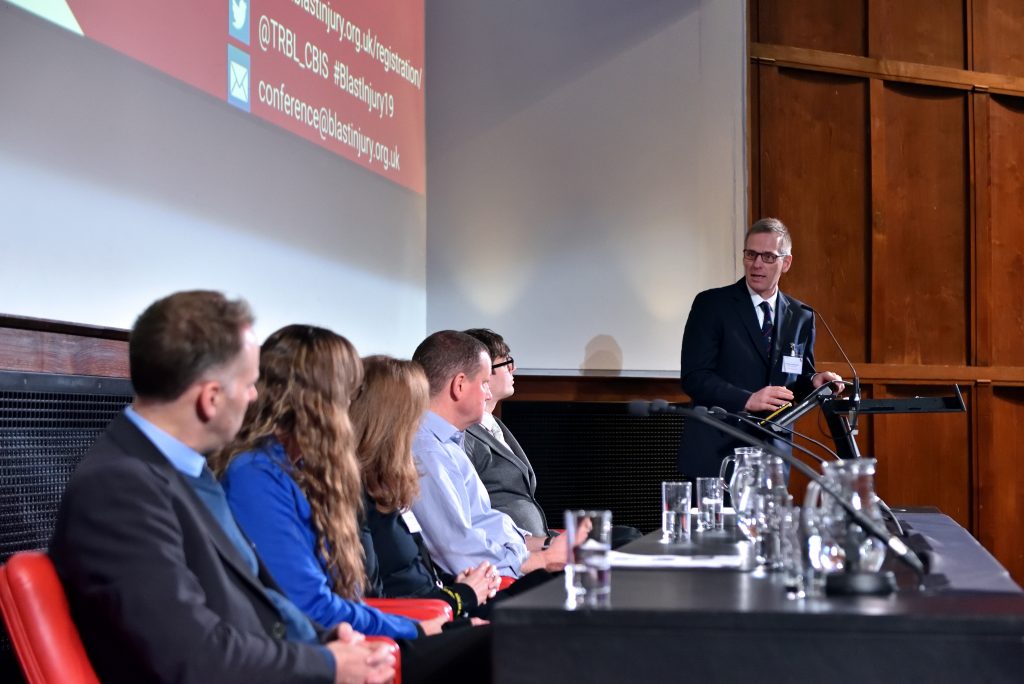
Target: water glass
pixel 794 551
pixel 588 575
pixel 675 512
pixel 709 504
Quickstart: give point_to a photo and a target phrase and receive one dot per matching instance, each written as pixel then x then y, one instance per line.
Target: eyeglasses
pixel 766 257
pixel 510 362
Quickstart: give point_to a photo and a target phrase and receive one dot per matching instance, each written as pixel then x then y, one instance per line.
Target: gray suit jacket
pixel 159 591
pixel 508 477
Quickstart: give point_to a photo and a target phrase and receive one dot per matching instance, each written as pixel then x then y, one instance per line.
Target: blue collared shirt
pixel 460 528
pixel 184 458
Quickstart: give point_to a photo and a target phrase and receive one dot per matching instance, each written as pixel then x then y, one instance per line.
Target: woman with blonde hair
pixel 293 483
pixel 390 406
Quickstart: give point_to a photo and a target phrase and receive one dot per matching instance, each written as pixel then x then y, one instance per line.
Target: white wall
pixel 586 172
pixel 119 185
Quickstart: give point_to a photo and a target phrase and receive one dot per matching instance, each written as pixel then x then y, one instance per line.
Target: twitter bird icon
pixel 238 20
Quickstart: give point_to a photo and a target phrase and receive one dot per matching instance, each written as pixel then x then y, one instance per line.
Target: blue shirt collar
pixel 184 458
pixel 442 429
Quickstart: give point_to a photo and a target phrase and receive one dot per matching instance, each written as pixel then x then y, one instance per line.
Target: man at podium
pixel 746 347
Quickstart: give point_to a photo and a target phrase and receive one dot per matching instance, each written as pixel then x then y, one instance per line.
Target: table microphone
pixel 639 407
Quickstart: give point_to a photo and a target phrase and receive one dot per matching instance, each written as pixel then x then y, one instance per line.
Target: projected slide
pixel 346 75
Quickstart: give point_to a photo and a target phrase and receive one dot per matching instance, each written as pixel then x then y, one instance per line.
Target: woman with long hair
pixel 293 482
pixel 390 406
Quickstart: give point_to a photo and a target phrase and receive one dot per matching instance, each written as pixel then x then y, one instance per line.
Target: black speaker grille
pixel 47 423
pixel 595 455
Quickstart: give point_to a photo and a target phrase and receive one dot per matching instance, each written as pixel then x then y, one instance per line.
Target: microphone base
pixel 860 584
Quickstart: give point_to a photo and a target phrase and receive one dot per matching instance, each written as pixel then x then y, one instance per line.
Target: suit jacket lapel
pixel 482 433
pixel 135 444
pixel 745 310
pixel 517 450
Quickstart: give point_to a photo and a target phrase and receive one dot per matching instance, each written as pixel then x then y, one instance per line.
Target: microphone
pixel 797 412
pixel 722 414
pixel 703 415
pixel 856 378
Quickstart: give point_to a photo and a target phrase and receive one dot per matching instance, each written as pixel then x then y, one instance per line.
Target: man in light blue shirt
pixel 459 527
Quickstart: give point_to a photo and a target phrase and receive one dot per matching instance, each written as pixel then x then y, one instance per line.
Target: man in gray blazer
pixel 492 448
pixel 500 460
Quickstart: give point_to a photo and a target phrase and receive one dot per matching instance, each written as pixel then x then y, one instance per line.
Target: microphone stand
pixel 778 427
pixel 855 583
pixel 846 424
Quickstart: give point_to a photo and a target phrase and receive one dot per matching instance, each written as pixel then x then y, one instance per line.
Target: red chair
pixel 394 650
pixel 39 622
pixel 414 608
pixel 45 638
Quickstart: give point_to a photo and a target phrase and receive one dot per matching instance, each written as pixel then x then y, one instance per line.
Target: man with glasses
pixel 746 347
pixel 494 451
pixel 499 459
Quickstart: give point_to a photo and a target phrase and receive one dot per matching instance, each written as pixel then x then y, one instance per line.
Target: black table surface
pixel 971 615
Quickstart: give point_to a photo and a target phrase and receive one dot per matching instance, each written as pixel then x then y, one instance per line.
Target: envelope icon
pixel 239 81
pixel 238 78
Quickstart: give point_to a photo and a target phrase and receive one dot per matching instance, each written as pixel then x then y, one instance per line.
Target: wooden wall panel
pixel 920 235
pixel 1000 506
pixel 832 25
pixel 814 175
pixel 924 459
pixel 925 31
pixel 1005 197
pixel 998 25
pixel 945 225
pixel 42 351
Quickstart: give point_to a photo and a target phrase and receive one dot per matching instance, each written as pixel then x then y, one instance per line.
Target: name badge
pixel 411 523
pixel 793 364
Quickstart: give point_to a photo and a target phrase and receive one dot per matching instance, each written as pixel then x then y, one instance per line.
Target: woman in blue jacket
pixel 293 483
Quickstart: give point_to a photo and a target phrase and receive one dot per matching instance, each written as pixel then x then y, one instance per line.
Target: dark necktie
pixel 766 327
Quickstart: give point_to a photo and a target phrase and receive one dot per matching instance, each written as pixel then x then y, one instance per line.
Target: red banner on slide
pixel 347 76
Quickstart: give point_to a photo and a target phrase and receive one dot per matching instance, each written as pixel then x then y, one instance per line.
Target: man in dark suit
pixel 746 347
pixel 160 581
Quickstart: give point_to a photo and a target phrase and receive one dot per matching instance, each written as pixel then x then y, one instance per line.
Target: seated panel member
pixel 293 483
pixel 385 416
pixel 500 460
pixel 161 582
pixel 460 528
pixel 494 451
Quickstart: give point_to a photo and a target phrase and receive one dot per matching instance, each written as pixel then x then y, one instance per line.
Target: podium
pixel 839 414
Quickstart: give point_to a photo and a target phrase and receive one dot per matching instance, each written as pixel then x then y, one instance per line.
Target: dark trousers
pixel 457 655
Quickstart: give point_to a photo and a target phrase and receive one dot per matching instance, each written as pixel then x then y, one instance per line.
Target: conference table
pixel 712 625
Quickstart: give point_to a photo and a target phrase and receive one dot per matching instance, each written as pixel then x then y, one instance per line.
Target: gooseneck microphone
pixel 701 415
pixel 722 414
pixel 855 403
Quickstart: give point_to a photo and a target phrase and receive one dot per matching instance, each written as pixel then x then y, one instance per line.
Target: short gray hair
pixel 773 225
